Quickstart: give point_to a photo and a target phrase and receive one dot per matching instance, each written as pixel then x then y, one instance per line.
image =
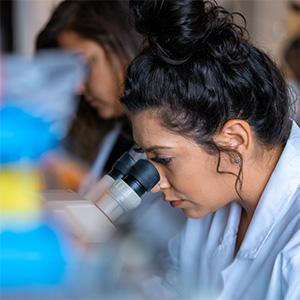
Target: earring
pixel 237 160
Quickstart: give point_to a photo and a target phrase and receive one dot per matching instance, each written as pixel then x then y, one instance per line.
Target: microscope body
pixel 82 217
pixel 91 217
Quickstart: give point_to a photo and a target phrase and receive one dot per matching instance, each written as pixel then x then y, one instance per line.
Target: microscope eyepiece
pixel 142 177
pixel 122 166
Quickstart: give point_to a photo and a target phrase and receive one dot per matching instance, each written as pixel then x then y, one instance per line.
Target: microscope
pixel 92 217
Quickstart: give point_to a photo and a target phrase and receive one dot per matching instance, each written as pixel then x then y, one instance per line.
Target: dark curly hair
pixel 199 70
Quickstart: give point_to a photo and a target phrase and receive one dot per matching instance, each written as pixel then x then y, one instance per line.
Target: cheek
pixel 102 89
pixel 212 190
pixel 96 79
pixel 199 180
pixel 118 108
pixel 184 179
pixel 200 172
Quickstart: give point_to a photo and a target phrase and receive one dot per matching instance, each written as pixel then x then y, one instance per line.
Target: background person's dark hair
pixel 199 71
pixel 106 23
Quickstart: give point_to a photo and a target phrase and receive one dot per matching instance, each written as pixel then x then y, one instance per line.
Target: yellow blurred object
pixel 19 191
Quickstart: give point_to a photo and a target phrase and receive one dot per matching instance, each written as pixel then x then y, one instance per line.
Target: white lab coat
pixel 267 265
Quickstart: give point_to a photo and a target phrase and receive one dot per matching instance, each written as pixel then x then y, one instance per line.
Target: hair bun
pixel 177 29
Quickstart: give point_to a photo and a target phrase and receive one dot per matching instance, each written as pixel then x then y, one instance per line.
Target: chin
pixel 195 214
pixel 105 114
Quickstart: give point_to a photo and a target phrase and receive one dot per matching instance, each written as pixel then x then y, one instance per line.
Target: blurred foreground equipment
pixel 35 251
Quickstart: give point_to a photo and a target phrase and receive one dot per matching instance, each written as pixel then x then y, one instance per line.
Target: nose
pixel 155 189
pixel 84 87
pixel 81 88
pixel 163 184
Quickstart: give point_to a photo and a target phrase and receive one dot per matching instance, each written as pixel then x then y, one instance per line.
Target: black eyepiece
pixel 142 177
pixel 122 166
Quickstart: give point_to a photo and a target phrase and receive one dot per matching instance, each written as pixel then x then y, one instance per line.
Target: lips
pixel 93 103
pixel 176 203
pixel 90 100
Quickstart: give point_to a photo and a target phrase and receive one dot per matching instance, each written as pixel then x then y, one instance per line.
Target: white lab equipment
pixel 94 222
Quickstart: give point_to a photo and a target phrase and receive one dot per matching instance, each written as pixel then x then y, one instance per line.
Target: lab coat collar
pixel 276 198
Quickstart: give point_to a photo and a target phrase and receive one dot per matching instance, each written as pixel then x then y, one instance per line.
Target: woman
pixel 211 112
pixel 102 33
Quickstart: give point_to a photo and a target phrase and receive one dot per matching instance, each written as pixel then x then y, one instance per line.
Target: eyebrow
pixel 155 147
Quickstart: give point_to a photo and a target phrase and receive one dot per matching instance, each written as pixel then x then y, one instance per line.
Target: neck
pixel 256 175
pixel 255 178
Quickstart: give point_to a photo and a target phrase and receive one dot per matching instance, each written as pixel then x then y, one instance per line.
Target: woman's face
pixel 104 84
pixel 188 175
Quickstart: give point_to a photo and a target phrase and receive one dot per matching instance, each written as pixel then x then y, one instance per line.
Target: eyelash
pixel 138 150
pixel 159 160
pixel 162 161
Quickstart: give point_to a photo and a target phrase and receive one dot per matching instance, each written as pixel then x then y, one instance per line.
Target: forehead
pixel 148 131
pixel 71 40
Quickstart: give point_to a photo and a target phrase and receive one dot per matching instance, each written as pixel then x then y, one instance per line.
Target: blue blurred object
pixel 37 107
pixel 23 135
pixel 45 85
pixel 31 258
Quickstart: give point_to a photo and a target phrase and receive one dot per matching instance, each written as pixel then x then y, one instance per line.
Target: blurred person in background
pixel 102 33
pixel 293 18
pixel 291 55
pixel 292 59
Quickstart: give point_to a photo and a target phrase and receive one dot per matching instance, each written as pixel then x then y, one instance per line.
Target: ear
pixel 236 134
